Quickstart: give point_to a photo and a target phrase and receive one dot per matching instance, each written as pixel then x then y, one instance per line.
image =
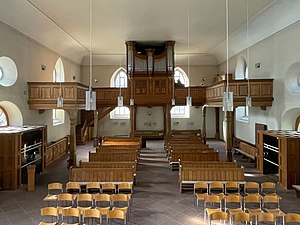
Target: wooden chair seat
pixel 254 212
pixel 103 210
pixel 276 212
pixel 83 209
pixel 44 223
pixel 61 208
pixel 234 211
pixel 70 224
pixel 292 218
pixel 50 198
pixel 211 211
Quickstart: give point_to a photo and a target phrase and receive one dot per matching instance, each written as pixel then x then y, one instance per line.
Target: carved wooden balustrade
pixel 153 90
pixel 197 94
pixel 43 95
pixel 107 96
pixel 261 92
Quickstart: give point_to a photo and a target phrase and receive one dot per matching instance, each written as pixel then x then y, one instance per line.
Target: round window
pixel 1 73
pixel 8 71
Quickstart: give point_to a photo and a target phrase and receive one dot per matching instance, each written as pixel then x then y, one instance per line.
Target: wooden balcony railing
pixel 43 95
pixel 261 92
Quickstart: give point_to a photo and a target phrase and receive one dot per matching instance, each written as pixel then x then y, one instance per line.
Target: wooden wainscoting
pixel 56 150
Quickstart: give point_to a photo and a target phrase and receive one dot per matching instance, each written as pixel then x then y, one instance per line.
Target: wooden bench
pixel 212 155
pixel 118 148
pixel 148 134
pixel 124 164
pixel 101 175
pixel 176 133
pixel 112 157
pixel 247 150
pixel 189 175
pixel 210 164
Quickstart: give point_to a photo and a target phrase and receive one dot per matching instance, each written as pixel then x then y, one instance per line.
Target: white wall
pixel 109 126
pixel 276 54
pixel 29 56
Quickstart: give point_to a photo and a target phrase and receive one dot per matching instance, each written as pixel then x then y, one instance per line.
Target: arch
pixel 241 69
pixel 289 118
pixel 8 71
pixel 59 71
pixel 13 113
pixel 179 74
pixel 119 79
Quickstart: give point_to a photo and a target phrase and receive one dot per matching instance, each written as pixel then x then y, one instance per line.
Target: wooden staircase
pixel 82 135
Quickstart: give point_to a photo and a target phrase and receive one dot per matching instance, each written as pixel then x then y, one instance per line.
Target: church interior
pixel 149 112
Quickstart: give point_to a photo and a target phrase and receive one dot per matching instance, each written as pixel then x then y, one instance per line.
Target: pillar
pixel 132 119
pixel 229 135
pixel 72 160
pixel 95 128
pixel 204 124
pixel 168 120
pixel 217 115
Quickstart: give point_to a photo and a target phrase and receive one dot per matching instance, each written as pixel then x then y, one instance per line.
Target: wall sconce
pixel 96 80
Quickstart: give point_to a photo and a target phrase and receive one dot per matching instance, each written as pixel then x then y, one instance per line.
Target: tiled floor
pixel 156 200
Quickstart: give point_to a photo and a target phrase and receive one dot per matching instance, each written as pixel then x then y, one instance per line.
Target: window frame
pixel 6 116
pixel 58 78
pixel 114 114
pixel 186 109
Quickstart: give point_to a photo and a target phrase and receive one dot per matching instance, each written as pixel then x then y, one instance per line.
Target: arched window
pixel 297 124
pixel 180 111
pixel 3 117
pixel 58 75
pixel 241 73
pixel 119 79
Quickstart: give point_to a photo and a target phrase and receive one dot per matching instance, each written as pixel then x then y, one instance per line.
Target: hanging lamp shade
pixel 173 101
pixel 60 101
pixel 120 101
pixel 189 101
pixel 90 100
pixel 227 95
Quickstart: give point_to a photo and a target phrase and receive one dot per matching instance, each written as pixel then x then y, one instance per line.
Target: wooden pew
pixel 247 150
pixel 210 164
pixel 115 175
pixel 113 148
pixel 124 164
pixel 122 139
pixel 112 157
pixel 211 155
pixel 189 175
pixel 184 133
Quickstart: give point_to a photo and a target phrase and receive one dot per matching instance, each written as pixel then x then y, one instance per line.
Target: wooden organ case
pixel 150 68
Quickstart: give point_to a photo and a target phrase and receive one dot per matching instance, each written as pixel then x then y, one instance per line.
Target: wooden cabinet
pixel 20 147
pixel 279 152
pixel 56 150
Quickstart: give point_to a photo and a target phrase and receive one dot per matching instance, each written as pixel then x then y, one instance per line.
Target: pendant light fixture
pixel 90 96
pixel 60 100
pixel 188 98
pixel 173 102
pixel 227 95
pixel 248 98
pixel 120 97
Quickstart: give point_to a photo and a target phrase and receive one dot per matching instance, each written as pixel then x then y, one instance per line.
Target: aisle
pixel 157 199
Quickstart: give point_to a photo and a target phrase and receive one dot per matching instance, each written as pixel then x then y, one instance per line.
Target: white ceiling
pixel 56 23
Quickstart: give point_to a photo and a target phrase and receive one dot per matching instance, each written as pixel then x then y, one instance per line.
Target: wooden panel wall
pixel 56 150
